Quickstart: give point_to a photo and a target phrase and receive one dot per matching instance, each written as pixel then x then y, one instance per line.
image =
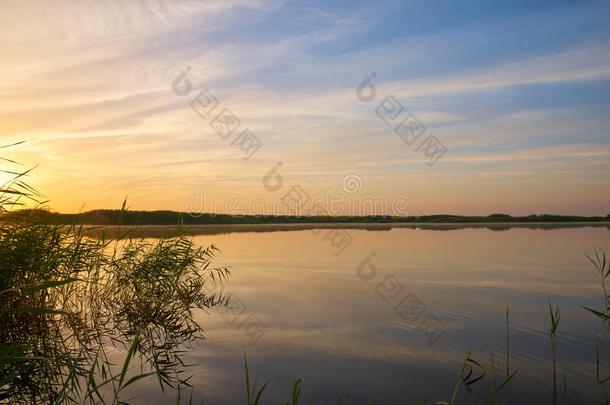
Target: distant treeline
pixel 121 217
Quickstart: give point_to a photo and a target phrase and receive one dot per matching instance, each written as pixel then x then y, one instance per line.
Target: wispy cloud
pixel 89 84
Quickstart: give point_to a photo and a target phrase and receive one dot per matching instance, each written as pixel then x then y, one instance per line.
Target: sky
pixel 517 93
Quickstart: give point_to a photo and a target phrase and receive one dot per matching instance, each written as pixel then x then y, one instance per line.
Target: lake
pixel 392 317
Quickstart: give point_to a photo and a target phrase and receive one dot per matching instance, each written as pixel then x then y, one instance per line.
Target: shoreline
pixel 215 229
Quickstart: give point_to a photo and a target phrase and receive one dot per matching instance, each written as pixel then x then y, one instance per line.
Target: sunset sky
pixel 518 92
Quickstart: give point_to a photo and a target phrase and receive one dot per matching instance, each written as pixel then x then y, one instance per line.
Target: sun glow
pixel 5 178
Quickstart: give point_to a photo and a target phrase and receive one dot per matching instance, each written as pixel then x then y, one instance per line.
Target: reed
pixel 555 317
pixel 253 391
pixel 66 298
pixel 602 267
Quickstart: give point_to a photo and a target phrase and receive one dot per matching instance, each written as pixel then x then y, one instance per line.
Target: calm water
pixel 335 330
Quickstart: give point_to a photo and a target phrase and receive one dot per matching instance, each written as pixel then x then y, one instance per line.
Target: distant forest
pixel 127 217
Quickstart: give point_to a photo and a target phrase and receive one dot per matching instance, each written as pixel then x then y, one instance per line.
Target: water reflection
pixel 329 326
pixel 158 231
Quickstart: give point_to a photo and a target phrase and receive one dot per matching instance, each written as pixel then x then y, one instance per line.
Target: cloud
pixel 89 82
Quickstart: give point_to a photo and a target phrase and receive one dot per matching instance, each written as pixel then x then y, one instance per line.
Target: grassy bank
pixel 114 217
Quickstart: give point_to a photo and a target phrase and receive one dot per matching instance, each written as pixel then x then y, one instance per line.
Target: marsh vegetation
pixel 66 300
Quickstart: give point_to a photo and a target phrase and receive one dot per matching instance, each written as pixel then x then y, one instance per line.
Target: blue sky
pixel 518 92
